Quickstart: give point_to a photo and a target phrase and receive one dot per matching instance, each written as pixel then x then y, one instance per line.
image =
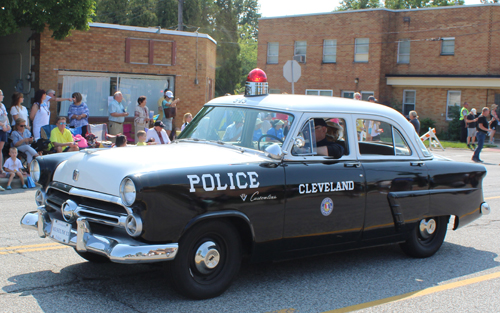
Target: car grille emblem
pixel 76 173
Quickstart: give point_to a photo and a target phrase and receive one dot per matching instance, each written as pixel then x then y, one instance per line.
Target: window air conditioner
pixel 301 58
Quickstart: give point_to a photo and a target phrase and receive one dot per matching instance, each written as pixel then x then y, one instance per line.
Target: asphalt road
pixel 38 275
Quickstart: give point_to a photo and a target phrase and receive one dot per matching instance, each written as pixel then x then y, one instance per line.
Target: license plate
pixel 60 231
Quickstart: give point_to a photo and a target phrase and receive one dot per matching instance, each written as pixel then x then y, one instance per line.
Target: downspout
pixel 196 77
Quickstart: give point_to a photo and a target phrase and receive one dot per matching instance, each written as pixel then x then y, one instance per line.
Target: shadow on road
pixel 318 283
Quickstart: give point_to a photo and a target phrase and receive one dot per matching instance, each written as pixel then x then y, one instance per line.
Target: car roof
pixel 305 103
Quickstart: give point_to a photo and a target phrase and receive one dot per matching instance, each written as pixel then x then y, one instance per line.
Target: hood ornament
pixel 76 174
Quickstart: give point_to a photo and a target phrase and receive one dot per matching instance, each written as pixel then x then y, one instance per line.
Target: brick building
pixel 135 60
pixel 427 60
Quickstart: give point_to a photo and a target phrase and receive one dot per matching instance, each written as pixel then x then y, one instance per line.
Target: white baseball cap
pixel 169 94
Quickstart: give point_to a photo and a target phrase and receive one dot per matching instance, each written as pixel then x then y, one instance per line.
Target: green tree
pixel 226 33
pixel 346 5
pixel 248 16
pixel 142 13
pixel 248 54
pixel 62 16
pixel 412 4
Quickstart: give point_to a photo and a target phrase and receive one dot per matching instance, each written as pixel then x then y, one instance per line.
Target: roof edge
pixel 443 76
pixel 152 30
pixel 382 9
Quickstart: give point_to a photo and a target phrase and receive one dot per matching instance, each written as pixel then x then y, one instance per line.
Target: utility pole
pixel 179 15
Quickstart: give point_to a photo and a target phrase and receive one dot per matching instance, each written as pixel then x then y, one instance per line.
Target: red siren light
pixel 256 84
pixel 257 76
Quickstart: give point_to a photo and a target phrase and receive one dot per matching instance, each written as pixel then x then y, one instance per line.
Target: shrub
pixel 425 123
pixel 453 132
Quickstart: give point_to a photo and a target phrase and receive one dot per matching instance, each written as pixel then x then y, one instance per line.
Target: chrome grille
pixel 96 211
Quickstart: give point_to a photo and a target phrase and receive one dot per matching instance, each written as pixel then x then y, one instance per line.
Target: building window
pixel 329 51
pixel 361 48
pixel 453 103
pixel 347 94
pixel 319 92
pixel 300 51
pixel 364 94
pixel 448 46
pixel 96 88
pixel 404 51
pixel 273 49
pixel 149 51
pixel 409 97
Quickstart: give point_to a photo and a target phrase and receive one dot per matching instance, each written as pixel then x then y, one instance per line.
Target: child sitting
pixel 13 166
pixel 141 137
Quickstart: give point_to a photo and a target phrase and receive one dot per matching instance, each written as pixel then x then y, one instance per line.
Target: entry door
pixel 325 203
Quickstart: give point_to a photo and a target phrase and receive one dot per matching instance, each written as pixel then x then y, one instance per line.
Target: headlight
pixel 35 170
pixel 127 191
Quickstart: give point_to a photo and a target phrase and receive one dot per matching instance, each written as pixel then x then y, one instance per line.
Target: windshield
pixel 250 128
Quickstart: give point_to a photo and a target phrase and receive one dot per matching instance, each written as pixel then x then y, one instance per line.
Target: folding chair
pixel 99 130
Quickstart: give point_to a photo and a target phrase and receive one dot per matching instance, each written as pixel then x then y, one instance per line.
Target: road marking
pixel 32 248
pixel 489 198
pixel 418 293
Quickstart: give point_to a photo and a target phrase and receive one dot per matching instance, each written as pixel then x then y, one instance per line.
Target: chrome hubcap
pixel 207 257
pixel 427 228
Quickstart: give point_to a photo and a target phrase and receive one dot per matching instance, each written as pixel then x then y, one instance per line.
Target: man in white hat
pixel 167 103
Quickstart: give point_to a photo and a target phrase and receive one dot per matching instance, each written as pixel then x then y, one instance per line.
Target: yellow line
pixel 418 293
pixel 31 246
pixel 31 250
pixel 492 198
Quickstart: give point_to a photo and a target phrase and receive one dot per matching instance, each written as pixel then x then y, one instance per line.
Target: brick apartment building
pixel 135 60
pixel 427 60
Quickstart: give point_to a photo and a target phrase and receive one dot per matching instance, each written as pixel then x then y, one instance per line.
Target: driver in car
pixel 326 138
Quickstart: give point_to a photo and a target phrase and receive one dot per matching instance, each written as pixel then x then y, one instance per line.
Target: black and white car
pixel 219 194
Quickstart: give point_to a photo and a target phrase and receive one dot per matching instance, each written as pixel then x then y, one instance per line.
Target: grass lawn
pixel 455 144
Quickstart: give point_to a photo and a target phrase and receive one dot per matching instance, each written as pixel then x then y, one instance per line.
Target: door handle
pixel 419 163
pixel 352 164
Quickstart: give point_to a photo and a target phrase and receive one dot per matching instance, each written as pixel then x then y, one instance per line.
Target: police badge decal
pixel 326 206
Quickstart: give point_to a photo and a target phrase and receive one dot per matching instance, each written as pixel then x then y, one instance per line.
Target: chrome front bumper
pixel 118 247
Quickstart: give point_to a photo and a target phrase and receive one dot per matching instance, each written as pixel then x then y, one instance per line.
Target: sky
pixel 270 8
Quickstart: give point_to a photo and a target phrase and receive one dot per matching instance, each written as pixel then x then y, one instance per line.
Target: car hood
pixel 103 170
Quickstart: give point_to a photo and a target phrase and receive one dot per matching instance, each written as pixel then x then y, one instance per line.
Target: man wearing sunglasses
pixel 61 139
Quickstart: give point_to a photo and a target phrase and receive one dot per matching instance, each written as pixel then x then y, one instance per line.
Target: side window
pixel 322 137
pixel 380 138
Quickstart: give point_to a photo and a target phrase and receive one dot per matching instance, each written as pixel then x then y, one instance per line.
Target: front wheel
pixel 208 259
pixel 427 237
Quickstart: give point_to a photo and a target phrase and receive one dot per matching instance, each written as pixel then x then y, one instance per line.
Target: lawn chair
pixel 99 130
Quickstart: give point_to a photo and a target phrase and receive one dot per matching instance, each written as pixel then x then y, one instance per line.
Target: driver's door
pixel 325 197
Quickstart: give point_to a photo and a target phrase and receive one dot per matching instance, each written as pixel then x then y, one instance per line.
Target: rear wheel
pixel 208 259
pixel 92 257
pixel 426 238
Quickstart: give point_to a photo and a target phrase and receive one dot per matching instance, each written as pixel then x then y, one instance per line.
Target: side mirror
pixel 274 151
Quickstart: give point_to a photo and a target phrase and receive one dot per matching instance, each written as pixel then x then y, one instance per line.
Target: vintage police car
pixel 231 187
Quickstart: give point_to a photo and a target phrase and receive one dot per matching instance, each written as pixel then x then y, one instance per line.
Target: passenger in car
pixel 326 138
pixel 233 131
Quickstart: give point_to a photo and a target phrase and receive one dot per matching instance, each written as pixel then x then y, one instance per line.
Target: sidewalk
pixel 16 183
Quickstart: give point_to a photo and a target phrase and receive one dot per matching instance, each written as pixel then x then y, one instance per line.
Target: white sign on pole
pixel 292 72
